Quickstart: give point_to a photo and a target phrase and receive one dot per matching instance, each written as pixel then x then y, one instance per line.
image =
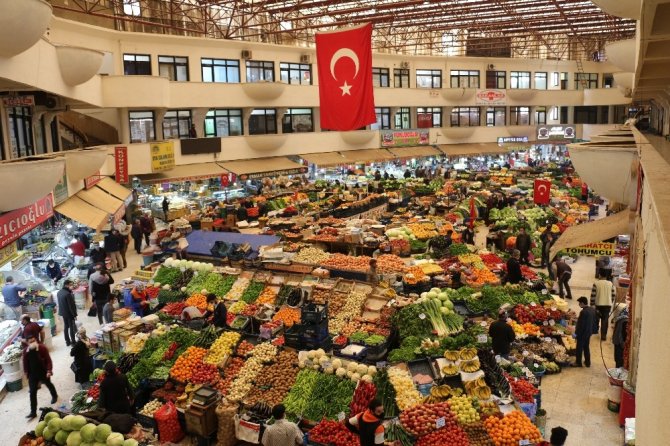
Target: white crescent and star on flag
pixel 340 54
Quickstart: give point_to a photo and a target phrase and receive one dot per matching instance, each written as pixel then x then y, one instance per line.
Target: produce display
pixel 311 255
pixel 347 263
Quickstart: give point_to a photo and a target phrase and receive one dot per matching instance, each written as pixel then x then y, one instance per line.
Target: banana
pixel 450 369
pixel 451 355
pixel 470 366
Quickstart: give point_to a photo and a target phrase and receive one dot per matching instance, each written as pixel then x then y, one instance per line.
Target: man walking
pixel 563 276
pixel 602 296
pixel 30 330
pixel 136 234
pixel 147 226
pixel 113 245
pixel 10 293
pixel 38 368
pixel 583 331
pixel 68 311
pixel 523 245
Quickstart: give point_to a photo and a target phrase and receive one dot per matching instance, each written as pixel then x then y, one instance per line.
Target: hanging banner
pixel 60 191
pixel 400 138
pixel 424 120
pixel 162 156
pixel 593 249
pixel 121 164
pixel 555 133
pixel 91 181
pixel 19 222
pixel 491 97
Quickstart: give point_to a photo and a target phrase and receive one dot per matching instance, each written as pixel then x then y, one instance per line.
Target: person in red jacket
pixel 38 368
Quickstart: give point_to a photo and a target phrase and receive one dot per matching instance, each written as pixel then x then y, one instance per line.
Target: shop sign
pixel 555 132
pixel 401 138
pixel 60 191
pixel 7 253
pixel 121 164
pixel 91 181
pixel 490 97
pixel 593 249
pixel 19 222
pixel 424 120
pixel 162 156
pixel 512 139
pixel 274 173
pixel 18 101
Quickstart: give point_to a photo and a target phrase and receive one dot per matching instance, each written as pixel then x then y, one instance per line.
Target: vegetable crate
pixel 314 313
pixel 315 329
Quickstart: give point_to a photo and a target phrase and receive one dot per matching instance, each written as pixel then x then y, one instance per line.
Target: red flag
pixel 473 212
pixel 344 60
pixel 542 191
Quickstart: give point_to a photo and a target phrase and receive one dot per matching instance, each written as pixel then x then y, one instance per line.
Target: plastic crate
pixel 293 335
pixel 315 329
pixel 314 313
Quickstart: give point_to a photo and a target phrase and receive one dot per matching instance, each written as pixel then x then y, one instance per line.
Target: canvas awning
pixel 112 187
pixel 264 167
pixel 472 149
pixel 348 157
pixel 414 152
pixel 186 172
pixel 80 211
pixel 593 232
pixel 100 199
pixel 325 158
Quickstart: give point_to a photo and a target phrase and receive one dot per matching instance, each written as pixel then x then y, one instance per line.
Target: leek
pixel 431 309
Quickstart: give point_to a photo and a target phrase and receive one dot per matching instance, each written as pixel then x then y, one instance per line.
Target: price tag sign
pixel 553 308
pixel 391 302
pixel 552 323
pixel 440 423
pixel 422 316
pixel 381 364
pixel 482 338
pixel 341 416
pixel 536 365
pixel 545 323
pixel 482 323
pixel 532 304
pixel 525 353
pixel 89 400
pixel 524 442
pixel 545 292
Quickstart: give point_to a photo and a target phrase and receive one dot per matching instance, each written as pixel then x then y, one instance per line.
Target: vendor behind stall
pixel 219 314
pixel 53 271
pixel 140 300
pixel 10 294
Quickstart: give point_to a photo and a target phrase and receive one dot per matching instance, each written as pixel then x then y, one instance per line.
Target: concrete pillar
pixel 571 115
pixel 316 119
pixel 246 114
pixel 5 131
pixel 159 115
pixel 610 114
pixel 280 112
pixel 394 112
pixel 124 126
pixel 198 119
pixel 35 121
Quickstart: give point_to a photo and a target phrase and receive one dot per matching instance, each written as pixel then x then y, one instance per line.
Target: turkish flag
pixel 344 61
pixel 542 191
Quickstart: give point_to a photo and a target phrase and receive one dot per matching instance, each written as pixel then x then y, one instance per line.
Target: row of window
pixel 228 71
pixel 228 122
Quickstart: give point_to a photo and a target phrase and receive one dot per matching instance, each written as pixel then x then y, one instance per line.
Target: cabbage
pixel 366 378
pixel 55 424
pixel 435 290
pixel 48 434
pixel 320 352
pixel 88 433
pixel 311 354
pixel 115 439
pixel 50 416
pixel 85 443
pixel 352 367
pixel 77 422
pixel 329 370
pixel 102 431
pixel 74 439
pixel 40 428
pixel 61 437
pixel 431 295
pixel 130 442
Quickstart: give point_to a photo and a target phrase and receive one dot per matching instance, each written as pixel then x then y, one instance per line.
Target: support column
pixel 198 119
pixel 159 115
pixel 394 112
pixel 316 118
pixel 571 115
pixel 246 114
pixel 124 126
pixel 610 114
pixel 36 120
pixel 280 112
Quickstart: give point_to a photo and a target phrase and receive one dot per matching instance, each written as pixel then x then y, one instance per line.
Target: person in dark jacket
pixel 136 234
pixel 502 335
pixel 583 331
pixel 147 227
pixel 67 310
pixel 108 309
pixel 30 330
pixel 547 239
pixel 53 271
pixel 219 314
pixel 113 246
pixel 82 357
pixel 166 208
pixel 523 245
pixel 116 395
pixel 619 337
pixel 97 255
pixel 514 275
pixel 38 368
pixel 563 276
pixel 99 284
pixel 84 239
pixel 407 174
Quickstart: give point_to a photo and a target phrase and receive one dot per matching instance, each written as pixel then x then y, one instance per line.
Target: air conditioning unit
pixel 404 65
pixel 305 58
pixel 246 54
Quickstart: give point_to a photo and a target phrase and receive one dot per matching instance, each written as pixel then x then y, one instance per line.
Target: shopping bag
pixel 93 311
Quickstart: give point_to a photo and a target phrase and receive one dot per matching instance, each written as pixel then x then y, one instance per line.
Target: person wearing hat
pixel 502 335
pixel 514 275
pixel 10 294
pixel 53 271
pixel 586 322
pixel 82 365
pixel 116 395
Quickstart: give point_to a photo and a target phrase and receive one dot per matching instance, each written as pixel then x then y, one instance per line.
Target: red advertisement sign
pixel 424 120
pixel 19 222
pixel 121 164
pixel 91 181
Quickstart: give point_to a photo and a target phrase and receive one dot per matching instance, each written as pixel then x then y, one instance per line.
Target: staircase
pixel 580 72
pixel 79 130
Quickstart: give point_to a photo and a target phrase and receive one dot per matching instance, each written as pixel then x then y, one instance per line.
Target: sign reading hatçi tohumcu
pixel 593 249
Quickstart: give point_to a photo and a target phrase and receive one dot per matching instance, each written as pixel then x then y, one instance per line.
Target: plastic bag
pixel 247 431
pixel 167 421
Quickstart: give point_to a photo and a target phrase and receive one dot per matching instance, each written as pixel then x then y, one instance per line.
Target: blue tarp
pixel 200 243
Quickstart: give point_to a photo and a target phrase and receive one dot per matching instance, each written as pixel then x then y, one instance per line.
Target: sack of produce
pixel 226 431
pixel 169 429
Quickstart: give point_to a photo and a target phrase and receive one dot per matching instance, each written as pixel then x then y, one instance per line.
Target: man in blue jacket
pixel 10 292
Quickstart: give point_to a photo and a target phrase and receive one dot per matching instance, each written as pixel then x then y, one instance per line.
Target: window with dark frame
pixel 263 121
pixel 519 115
pixel 137 65
pixel 435 112
pixel 295 73
pixel 142 126
pixel 383 119
pixel 177 124
pixel 495 117
pixel 223 122
pixel 586 81
pixel 519 79
pixel 260 71
pixel 428 78
pixel 298 120
pixel 540 80
pixel 464 79
pixel 21 140
pixel 496 79
pixel 401 78
pixel 220 70
pixel 402 118
pixel 541 115
pixel 174 68
pixel 380 77
pixel 465 117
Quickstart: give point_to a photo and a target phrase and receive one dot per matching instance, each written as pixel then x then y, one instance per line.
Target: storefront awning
pixel 80 211
pixel 100 199
pixel 472 149
pixel 593 232
pixel 348 157
pixel 112 187
pixel 264 167
pixel 414 152
pixel 325 159
pixel 186 172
